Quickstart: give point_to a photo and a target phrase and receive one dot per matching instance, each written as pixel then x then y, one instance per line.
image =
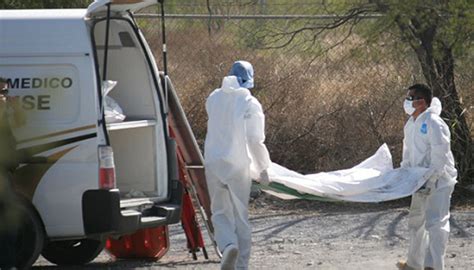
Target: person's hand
pixel 429 186
pixel 425 191
pixel 264 179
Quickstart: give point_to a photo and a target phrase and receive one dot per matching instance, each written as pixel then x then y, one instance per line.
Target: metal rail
pixel 257 17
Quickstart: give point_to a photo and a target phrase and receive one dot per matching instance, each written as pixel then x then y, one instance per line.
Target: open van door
pixel 118 6
pixel 144 154
pixel 114 40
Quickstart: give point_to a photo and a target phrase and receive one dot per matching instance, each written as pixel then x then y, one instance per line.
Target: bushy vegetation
pixel 33 4
pixel 330 99
pixel 428 41
pixel 324 111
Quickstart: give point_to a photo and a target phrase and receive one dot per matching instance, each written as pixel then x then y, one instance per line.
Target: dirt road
pixel 316 235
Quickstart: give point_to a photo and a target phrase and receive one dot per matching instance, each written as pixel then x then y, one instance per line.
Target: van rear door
pixel 145 159
pixel 118 6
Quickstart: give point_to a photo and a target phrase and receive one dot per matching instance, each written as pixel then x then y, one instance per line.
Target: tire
pixel 73 252
pixel 30 235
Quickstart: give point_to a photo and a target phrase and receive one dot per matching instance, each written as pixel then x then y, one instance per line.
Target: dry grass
pixel 325 114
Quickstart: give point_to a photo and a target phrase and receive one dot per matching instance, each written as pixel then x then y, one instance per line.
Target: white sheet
pixel 373 180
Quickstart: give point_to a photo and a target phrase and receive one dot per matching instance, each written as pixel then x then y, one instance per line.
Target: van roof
pixel 41 13
pixel 43 32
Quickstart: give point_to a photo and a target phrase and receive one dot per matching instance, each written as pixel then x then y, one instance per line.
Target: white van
pixel 82 179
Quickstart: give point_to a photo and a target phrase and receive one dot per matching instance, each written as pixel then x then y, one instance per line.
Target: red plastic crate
pixel 150 244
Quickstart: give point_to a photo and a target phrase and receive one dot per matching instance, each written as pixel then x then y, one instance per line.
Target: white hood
pixel 435 106
pixel 230 83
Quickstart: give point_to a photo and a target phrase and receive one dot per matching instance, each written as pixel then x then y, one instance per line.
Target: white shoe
pixel 229 257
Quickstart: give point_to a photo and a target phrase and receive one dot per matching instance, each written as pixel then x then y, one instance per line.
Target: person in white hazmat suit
pixel 234 153
pixel 426 144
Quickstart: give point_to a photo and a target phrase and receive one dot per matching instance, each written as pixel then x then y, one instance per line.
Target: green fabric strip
pixel 280 188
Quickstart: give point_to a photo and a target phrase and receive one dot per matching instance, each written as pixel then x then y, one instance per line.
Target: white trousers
pixel 229 207
pixel 429 228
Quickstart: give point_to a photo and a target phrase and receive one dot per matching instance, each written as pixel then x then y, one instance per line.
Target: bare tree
pixel 434 30
pixel 437 31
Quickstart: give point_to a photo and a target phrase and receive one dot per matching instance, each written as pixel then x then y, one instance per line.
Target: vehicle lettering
pixel 36 83
pixel 39 102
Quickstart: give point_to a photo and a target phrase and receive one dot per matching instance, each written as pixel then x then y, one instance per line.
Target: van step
pixel 171 212
pixel 104 212
pixel 131 203
pixel 130 213
pixel 154 216
pixel 149 222
pixel 129 219
pixel 142 221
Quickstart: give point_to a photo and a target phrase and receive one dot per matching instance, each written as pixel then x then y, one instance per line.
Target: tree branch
pixel 352 15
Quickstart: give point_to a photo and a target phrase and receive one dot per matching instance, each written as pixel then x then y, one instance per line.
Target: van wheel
pixel 29 236
pixel 73 252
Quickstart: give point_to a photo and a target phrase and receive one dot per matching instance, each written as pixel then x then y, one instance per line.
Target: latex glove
pixel 424 191
pixel 431 183
pixel 264 179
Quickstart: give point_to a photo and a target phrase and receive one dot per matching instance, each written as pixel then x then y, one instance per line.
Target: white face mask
pixel 408 107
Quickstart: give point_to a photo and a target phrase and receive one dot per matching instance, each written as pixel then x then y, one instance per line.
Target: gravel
pixel 315 235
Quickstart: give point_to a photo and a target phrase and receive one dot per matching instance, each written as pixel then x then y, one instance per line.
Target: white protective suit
pixel 234 154
pixel 426 144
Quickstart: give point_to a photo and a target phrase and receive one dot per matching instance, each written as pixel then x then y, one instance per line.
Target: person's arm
pixel 405 154
pixel 439 139
pixel 255 133
pixel 406 150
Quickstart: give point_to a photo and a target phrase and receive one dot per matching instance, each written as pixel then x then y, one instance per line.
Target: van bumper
pixel 102 213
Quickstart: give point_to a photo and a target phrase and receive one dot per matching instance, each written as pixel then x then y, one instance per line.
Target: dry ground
pixel 317 235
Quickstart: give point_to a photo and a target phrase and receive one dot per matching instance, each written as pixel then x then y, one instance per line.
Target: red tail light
pixel 106 168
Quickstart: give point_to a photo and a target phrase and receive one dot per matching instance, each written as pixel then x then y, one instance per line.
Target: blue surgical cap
pixel 243 70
